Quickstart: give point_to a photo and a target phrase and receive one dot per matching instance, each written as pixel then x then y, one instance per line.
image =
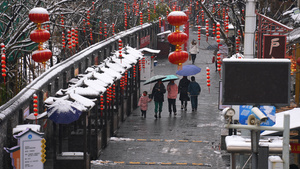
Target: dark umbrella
pixel 169 78
pixel 64 111
pixel 188 70
pixel 154 79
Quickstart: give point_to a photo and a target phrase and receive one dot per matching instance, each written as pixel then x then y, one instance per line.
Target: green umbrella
pixel 169 78
pixel 154 79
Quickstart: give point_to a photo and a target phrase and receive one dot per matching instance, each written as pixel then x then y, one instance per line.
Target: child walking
pixel 143 103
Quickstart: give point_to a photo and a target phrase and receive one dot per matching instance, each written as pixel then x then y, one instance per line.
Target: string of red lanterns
pixel 120 49
pixel 35 106
pixel 3 63
pixel 100 29
pixel 101 105
pixel 125 21
pixel 207 29
pixel 40 15
pixel 218 36
pixel 113 29
pixel 219 62
pixel 214 30
pixel 105 30
pixel 208 78
pixel 141 18
pixel 134 71
pixel 199 34
pixel 178 38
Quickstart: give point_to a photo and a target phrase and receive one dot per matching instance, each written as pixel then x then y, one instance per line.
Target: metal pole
pixel 286 141
pixel 250 26
pixel 254 147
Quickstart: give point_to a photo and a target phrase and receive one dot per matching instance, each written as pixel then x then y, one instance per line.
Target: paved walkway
pixel 189 140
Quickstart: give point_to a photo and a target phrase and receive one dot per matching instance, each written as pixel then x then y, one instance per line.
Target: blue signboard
pixel 269 111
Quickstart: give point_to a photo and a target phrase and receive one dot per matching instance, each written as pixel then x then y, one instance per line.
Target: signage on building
pixel 145 41
pixel 295 148
pixel 274 46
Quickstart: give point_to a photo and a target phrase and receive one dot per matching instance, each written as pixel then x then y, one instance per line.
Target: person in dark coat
pixel 157 94
pixel 194 90
pixel 182 90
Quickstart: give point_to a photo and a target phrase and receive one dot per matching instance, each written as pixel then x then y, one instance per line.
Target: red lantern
pixel 177 18
pixel 177 38
pixel 38 15
pixel 41 56
pixel 39 35
pixel 178 57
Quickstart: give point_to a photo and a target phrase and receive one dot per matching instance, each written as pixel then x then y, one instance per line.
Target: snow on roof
pixel 293 35
pixel 31 116
pixel 237 143
pixel 115 67
pixel 111 72
pixel 149 50
pixel 23 127
pixel 294 120
pixel 97 85
pixel 84 91
pixel 82 100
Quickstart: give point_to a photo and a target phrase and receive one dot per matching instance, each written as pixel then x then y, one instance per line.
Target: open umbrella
pixel 188 70
pixel 154 79
pixel 64 111
pixel 169 78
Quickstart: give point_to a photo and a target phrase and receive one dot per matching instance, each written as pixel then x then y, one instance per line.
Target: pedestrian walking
pixel 193 50
pixel 172 89
pixel 157 94
pixel 194 90
pixel 183 92
pixel 143 103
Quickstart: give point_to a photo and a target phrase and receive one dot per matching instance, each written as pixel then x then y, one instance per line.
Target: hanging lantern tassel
pixel 35 107
pixel 208 78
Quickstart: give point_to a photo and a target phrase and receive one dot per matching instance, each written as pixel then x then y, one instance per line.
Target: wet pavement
pixel 187 140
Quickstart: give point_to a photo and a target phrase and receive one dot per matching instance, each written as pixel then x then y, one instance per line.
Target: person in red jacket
pixel 143 103
pixel 172 89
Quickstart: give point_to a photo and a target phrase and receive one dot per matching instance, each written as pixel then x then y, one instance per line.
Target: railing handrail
pixel 13 104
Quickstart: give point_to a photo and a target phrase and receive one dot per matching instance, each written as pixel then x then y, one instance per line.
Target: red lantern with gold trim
pixel 177 18
pixel 177 38
pixel 39 35
pixel 178 57
pixel 38 15
pixel 42 55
